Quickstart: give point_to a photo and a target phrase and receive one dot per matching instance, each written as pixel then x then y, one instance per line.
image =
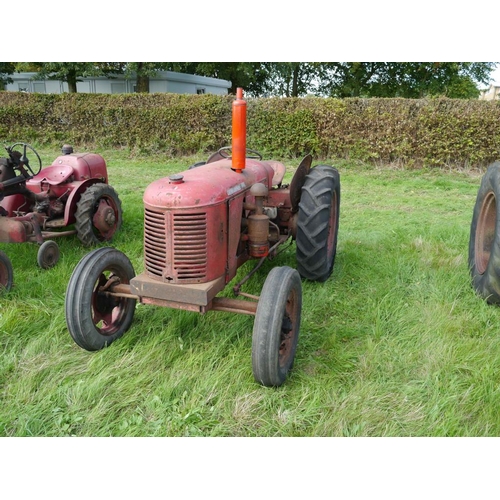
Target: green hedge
pixel 434 132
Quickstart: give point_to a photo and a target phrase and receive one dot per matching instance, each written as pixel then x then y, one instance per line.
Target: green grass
pixel 395 343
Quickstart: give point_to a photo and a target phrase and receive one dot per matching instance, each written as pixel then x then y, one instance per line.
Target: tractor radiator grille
pixel 190 246
pixel 188 235
pixel 155 244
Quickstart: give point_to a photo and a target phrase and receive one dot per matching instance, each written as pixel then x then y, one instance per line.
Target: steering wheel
pixel 24 159
pixel 254 155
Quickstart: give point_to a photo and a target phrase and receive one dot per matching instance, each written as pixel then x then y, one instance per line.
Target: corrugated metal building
pixel 164 81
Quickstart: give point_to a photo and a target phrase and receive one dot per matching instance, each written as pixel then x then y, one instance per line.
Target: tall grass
pixel 395 343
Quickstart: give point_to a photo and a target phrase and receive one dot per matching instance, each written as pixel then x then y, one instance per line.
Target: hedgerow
pixel 410 132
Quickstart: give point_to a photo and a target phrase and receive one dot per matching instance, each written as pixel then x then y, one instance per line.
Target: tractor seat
pixel 53 175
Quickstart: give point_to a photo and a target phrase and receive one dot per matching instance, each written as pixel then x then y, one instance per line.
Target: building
pixel 164 81
pixel 490 94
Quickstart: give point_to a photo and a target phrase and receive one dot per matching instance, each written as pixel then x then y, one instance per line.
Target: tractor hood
pixel 208 184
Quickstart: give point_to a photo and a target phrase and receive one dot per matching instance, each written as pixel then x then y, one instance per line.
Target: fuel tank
pixel 192 220
pixel 206 185
pixel 84 165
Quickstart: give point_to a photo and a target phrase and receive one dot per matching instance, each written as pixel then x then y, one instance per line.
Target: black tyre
pixel 276 326
pixel 318 223
pixel 94 318
pixel 6 273
pixel 98 214
pixel 484 241
pixel 48 254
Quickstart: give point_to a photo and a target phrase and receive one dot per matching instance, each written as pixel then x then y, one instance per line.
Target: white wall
pixel 165 81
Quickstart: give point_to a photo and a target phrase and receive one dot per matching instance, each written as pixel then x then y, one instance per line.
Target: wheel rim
pixel 288 329
pixel 48 255
pixel 108 312
pixel 485 232
pixel 105 218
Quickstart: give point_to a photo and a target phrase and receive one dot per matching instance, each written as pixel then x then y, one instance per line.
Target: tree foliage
pixel 142 72
pixel 404 79
pixel 254 77
pixel 349 79
pixel 291 79
pixel 6 69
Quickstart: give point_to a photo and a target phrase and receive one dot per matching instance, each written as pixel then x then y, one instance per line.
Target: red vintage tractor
pixel 37 204
pixel 200 226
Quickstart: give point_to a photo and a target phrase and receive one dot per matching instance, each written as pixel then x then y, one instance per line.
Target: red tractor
pixel 37 204
pixel 200 226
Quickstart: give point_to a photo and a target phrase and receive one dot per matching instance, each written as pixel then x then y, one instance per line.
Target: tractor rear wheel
pixel 318 223
pixel 48 254
pixel 94 317
pixel 484 241
pixel 276 326
pixel 98 214
pixel 6 273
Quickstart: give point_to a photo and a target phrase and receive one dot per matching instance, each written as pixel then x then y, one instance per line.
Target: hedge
pixel 411 132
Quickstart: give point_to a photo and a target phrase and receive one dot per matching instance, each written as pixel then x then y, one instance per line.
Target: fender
pixel 74 198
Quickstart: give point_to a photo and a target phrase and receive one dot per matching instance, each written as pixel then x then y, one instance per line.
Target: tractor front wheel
pixel 276 326
pixel 98 214
pixel 94 316
pixel 48 254
pixel 6 273
pixel 318 223
pixel 484 241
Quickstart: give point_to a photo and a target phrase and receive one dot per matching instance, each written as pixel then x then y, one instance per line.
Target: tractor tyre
pixel 6 273
pixel 94 318
pixel 484 241
pixel 276 326
pixel 318 223
pixel 98 214
pixel 48 254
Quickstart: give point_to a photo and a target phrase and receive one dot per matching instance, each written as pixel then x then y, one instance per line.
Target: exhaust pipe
pixel 239 139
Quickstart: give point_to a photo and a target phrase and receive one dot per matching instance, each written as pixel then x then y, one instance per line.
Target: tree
pixel 254 77
pixel 349 79
pixel 405 79
pixel 287 79
pixel 6 69
pixel 143 71
pixel 294 79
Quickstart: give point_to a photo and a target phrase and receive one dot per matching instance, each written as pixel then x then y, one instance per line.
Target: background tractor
pixel 200 227
pixel 38 204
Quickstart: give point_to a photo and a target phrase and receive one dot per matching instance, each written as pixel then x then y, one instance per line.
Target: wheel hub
pixel 104 218
pixel 285 337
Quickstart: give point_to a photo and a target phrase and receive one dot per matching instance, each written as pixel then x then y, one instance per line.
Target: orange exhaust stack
pixel 239 144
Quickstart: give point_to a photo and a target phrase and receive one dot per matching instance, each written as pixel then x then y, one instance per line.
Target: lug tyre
pixel 94 318
pixel 276 326
pixel 484 241
pixel 48 254
pixel 98 214
pixel 6 273
pixel 318 223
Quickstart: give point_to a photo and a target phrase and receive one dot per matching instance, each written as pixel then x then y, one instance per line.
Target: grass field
pixel 395 343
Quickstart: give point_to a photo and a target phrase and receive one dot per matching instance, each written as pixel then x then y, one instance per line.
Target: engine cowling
pixel 192 220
